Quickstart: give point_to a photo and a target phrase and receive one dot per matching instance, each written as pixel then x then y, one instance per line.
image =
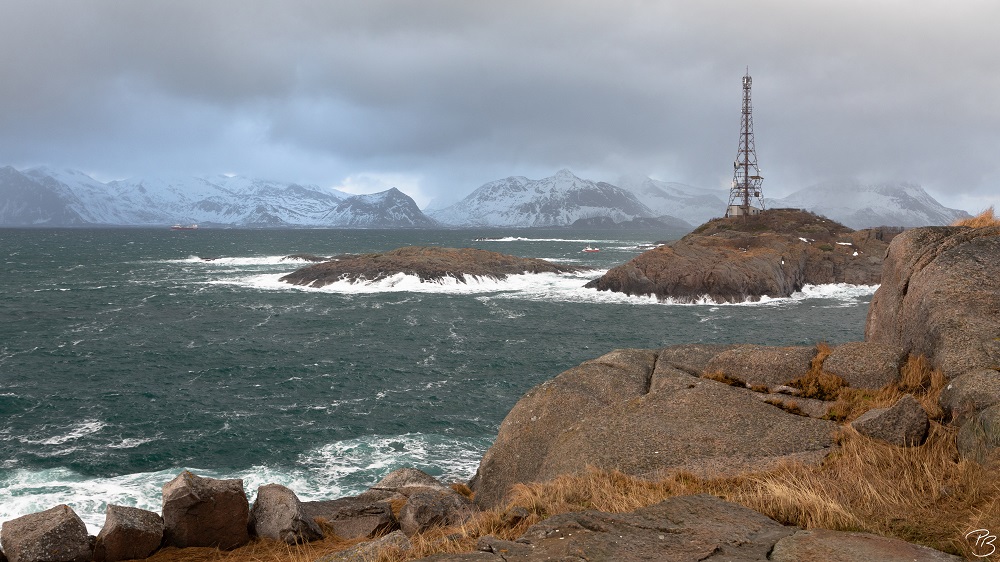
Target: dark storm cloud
pixel 458 93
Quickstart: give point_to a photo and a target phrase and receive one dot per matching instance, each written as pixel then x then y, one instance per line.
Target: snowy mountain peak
pixel 558 200
pixel 45 196
pixel 859 205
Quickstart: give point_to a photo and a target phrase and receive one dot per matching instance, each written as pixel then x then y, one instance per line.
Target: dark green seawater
pixel 126 356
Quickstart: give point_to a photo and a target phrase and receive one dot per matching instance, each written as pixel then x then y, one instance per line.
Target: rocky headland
pixel 769 428
pixel 774 253
pixel 427 263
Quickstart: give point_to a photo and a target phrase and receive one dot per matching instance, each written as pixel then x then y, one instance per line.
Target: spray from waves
pixel 521 239
pixel 335 470
pixel 548 287
pixel 240 261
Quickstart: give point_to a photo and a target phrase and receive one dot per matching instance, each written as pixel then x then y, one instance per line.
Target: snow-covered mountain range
pixel 559 200
pixel 858 205
pixel 43 196
pixel 51 197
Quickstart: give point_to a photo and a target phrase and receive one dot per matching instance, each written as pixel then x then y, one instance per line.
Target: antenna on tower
pixel 746 175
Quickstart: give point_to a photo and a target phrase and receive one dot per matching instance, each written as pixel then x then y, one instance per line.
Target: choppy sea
pixel 128 355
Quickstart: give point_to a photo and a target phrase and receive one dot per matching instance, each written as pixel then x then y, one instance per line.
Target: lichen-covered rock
pixel 434 508
pixel 629 412
pixel 205 512
pixel 940 297
pixel 129 533
pixel 278 514
pixel 904 424
pixel 865 364
pixel 53 535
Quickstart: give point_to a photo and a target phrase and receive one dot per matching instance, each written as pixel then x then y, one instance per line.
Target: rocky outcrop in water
pixel 427 263
pixel 775 253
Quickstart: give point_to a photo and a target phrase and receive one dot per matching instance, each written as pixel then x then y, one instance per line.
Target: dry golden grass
pixel 817 383
pixel 719 376
pixel 925 494
pixel 984 218
pixel 916 377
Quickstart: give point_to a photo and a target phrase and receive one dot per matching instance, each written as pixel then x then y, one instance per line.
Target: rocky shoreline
pixel 774 253
pixel 700 409
pixel 427 263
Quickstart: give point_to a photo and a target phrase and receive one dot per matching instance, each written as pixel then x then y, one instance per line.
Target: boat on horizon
pixel 184 227
pixel 591 249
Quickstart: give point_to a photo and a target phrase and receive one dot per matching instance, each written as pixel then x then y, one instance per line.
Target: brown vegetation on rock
pixel 736 259
pixel 427 263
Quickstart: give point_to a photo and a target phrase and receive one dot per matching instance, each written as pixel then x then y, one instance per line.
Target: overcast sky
pixel 439 97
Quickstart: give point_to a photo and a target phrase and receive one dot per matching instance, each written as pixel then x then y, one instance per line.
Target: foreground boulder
pixel 354 518
pixel 865 364
pixel 904 424
pixel 940 297
pixel 979 437
pixel 429 264
pixel 395 542
pixel 434 508
pixel 821 545
pixel 205 512
pixel 628 411
pixel 278 514
pixel 774 253
pixel 53 535
pixel 129 533
pixel 763 365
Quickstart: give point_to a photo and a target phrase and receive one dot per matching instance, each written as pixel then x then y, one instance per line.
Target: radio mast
pixel 746 174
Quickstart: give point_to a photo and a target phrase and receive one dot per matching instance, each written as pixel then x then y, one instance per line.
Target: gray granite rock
pixel 865 364
pixel 129 533
pixel 903 424
pixel 53 535
pixel 278 514
pixel 821 545
pixel 205 512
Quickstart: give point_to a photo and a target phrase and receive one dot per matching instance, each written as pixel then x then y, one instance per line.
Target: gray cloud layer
pixel 451 94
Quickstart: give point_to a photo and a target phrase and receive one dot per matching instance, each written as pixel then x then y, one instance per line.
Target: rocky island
pixel 735 259
pixel 427 263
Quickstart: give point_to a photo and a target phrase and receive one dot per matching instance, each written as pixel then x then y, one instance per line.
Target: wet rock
pixel 903 424
pixel 278 514
pixel 865 364
pixel 53 535
pixel 205 512
pixel 129 533
pixel 821 545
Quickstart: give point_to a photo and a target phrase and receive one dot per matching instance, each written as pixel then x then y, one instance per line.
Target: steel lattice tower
pixel 746 174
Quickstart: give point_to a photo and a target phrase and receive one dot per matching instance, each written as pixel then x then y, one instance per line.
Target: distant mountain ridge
pixel 858 205
pixel 47 197
pixel 51 197
pixel 558 200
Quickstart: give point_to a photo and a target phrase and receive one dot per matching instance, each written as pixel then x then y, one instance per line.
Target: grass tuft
pixel 985 218
pixel 719 376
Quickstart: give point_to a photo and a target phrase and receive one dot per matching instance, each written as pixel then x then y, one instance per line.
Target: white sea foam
pixel 335 470
pixel 238 261
pixel 540 287
pixel 522 239
pixel 72 433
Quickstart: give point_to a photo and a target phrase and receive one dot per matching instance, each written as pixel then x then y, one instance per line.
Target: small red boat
pixel 590 249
